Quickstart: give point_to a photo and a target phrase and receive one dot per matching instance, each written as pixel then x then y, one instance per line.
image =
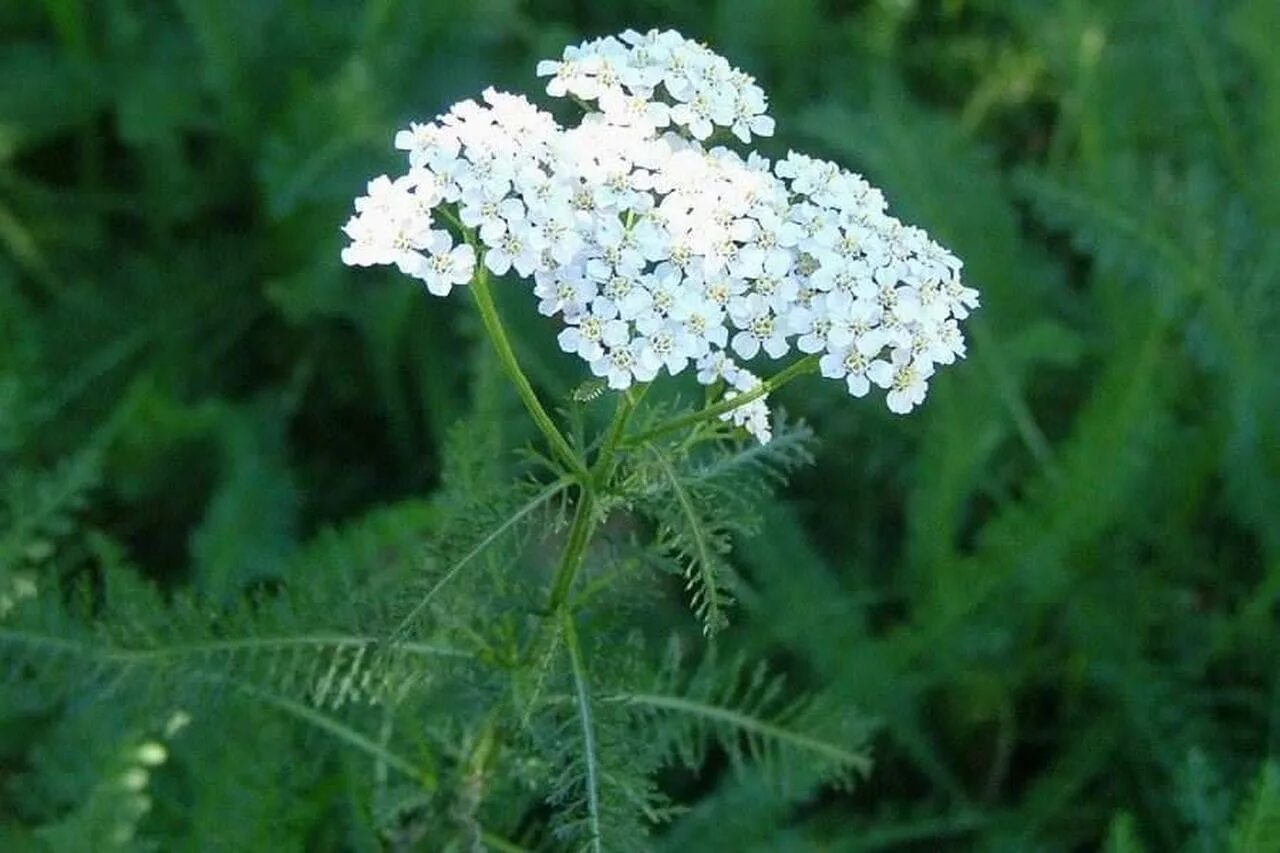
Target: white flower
pixel 703 321
pixel 624 364
pixel 593 331
pixel 428 144
pixel 627 293
pixel 714 366
pixel 487 174
pixel 564 294
pixel 520 247
pixel 390 227
pixel 620 250
pixel 665 285
pixel 779 290
pixel 721 289
pixel 849 364
pixel 574 75
pixel 701 113
pixel 749 117
pixel 440 179
pixel 940 343
pixel 447 267
pixel 386 198
pixel 906 380
pixel 963 299
pixel 563 242
pixel 650 80
pixel 824 323
pixel 635 110
pixel 759 326
pixel 769 244
pixel 646 237
pixel 546 193
pixel 488 212
pixel 752 416
pixel 668 345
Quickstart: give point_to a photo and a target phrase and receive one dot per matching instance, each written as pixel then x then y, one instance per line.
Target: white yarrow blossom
pixel 754 415
pixel 447 267
pixel 656 249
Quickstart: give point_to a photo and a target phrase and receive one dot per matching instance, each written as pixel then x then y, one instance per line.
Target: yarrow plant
pixel 658 250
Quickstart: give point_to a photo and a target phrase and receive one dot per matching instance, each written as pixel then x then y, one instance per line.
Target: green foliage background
pixel 1054 591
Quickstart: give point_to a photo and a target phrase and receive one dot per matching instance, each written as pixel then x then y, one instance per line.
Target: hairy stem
pixel 493 326
pixel 575 551
pixel 808 364
pixel 603 468
pixel 584 519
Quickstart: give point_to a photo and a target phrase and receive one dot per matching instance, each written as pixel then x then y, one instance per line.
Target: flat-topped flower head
pixel 658 249
pixel 691 87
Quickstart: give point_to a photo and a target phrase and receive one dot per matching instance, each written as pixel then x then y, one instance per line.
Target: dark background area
pixel 1055 586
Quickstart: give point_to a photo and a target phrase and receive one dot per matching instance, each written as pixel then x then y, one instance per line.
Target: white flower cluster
pixel 624 75
pixel 658 252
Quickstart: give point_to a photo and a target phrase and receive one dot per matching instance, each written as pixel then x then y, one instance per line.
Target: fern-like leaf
pixel 498 524
pixel 701 500
pixel 590 762
pixel 602 787
pixel 746 711
pixel 699 544
pixel 37 509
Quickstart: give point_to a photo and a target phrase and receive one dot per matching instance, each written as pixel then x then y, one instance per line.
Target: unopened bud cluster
pixel 658 250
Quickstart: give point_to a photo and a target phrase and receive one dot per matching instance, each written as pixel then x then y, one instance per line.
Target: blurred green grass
pixel 1056 586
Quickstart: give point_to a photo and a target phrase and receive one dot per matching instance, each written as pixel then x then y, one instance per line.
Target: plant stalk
pixel 575 551
pixel 600 472
pixel 493 326
pixel 808 364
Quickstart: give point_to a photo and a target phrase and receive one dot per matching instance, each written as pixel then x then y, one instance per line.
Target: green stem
pixel 575 551
pixel 601 471
pixel 493 325
pixel 808 364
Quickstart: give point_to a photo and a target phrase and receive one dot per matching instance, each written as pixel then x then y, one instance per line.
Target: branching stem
pixel 808 364
pixel 584 519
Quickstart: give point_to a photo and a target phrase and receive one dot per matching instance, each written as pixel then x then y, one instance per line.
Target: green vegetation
pixel 266 582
